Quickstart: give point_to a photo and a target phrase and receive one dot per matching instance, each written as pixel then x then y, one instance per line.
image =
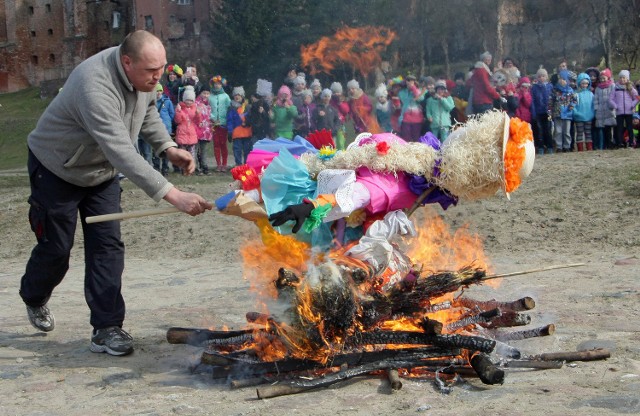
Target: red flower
pixel 382 148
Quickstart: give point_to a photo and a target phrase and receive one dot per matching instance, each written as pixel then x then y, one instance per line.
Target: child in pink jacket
pixel 523 112
pixel 187 119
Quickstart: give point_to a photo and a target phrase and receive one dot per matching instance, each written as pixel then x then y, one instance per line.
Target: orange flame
pixel 359 48
pixel 435 248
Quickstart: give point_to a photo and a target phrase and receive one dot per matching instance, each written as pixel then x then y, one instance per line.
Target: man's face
pixel 562 66
pixel 145 72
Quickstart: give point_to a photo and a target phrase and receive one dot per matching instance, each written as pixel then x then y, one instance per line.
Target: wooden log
pixel 248 382
pixel 486 370
pixel 302 385
pixel 591 355
pixel 507 319
pixel 394 379
pixel 533 364
pixel 527 333
pixel 481 318
pixel 229 367
pixel 410 337
pixel 202 337
pixel 523 304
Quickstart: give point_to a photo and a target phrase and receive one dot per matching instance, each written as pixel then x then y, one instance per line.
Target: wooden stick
pixel 534 364
pixel 591 355
pixel 131 214
pixel 394 379
pixel 541 269
pixel 419 200
pixel 202 337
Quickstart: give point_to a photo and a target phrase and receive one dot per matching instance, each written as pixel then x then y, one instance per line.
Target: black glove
pixel 298 213
pixel 229 138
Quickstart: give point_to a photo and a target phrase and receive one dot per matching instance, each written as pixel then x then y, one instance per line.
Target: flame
pixel 437 248
pixel 305 330
pixel 359 48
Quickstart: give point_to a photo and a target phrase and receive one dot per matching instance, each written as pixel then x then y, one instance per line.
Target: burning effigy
pixel 343 282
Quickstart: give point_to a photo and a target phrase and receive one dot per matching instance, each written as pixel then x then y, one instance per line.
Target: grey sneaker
pixel 112 340
pixel 41 318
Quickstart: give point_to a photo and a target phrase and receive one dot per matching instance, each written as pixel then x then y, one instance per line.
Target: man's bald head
pixel 136 43
pixel 143 58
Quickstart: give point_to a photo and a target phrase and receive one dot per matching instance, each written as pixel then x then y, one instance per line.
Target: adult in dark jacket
pixel 259 118
pixel 82 140
pixel 325 116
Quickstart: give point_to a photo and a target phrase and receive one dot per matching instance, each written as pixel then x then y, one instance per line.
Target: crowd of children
pixel 567 111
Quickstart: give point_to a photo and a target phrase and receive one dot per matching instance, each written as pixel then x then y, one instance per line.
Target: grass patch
pixel 18 116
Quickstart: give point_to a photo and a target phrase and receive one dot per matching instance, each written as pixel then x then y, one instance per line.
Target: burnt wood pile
pixel 337 326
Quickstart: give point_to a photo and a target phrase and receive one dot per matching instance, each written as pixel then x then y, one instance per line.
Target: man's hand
pixel 192 204
pixel 182 159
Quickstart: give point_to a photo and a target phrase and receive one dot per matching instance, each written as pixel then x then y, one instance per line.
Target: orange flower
pixel 382 148
pixel 519 133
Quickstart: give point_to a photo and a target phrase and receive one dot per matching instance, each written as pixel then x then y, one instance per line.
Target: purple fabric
pixel 418 184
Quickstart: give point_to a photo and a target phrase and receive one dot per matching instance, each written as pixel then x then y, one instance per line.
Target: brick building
pixel 41 41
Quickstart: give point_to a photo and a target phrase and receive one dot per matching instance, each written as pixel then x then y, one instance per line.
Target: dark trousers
pixel 624 121
pixel 241 149
pixel 53 216
pixel 544 132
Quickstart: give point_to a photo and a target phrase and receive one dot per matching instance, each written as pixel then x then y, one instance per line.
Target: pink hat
pixel 523 81
pixel 606 72
pixel 284 90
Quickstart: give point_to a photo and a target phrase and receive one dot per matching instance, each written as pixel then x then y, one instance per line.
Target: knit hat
pixel 353 84
pixel 189 93
pixel 542 72
pixel 458 75
pixel 299 80
pixel 284 91
pixel 485 55
pixel 524 82
pixel 564 74
pixel 606 73
pixel 429 80
pixel 238 91
pixel 306 93
pixel 450 84
pixel 336 88
pixel 315 83
pixel 624 73
pixel 441 84
pixel 159 87
pixel 381 91
pixel 326 93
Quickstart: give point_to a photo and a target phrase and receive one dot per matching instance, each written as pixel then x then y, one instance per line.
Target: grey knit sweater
pixel 87 133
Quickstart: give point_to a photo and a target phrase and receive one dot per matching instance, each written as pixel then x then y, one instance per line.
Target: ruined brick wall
pixel 41 41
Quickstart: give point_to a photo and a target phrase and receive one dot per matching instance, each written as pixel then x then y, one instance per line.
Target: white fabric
pixel 342 184
pixel 376 249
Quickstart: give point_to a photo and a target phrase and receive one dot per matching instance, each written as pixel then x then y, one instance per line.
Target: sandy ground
pixel 183 271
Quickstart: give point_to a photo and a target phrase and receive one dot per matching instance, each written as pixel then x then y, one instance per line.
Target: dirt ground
pixel 184 271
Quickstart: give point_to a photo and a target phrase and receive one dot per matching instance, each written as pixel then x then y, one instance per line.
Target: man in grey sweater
pixel 83 139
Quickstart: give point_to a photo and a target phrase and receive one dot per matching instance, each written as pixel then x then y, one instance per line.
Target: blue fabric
pixel 285 182
pixel 296 147
pixel 223 201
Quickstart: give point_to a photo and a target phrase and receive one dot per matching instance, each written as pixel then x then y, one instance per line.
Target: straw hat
pixel 472 158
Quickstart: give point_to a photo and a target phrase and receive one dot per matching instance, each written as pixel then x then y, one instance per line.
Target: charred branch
pixel 523 304
pixel 486 370
pixel 202 337
pixel 481 318
pixel 528 333
pixel 591 355
pixel 507 319
pixel 407 337
pixel 242 368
